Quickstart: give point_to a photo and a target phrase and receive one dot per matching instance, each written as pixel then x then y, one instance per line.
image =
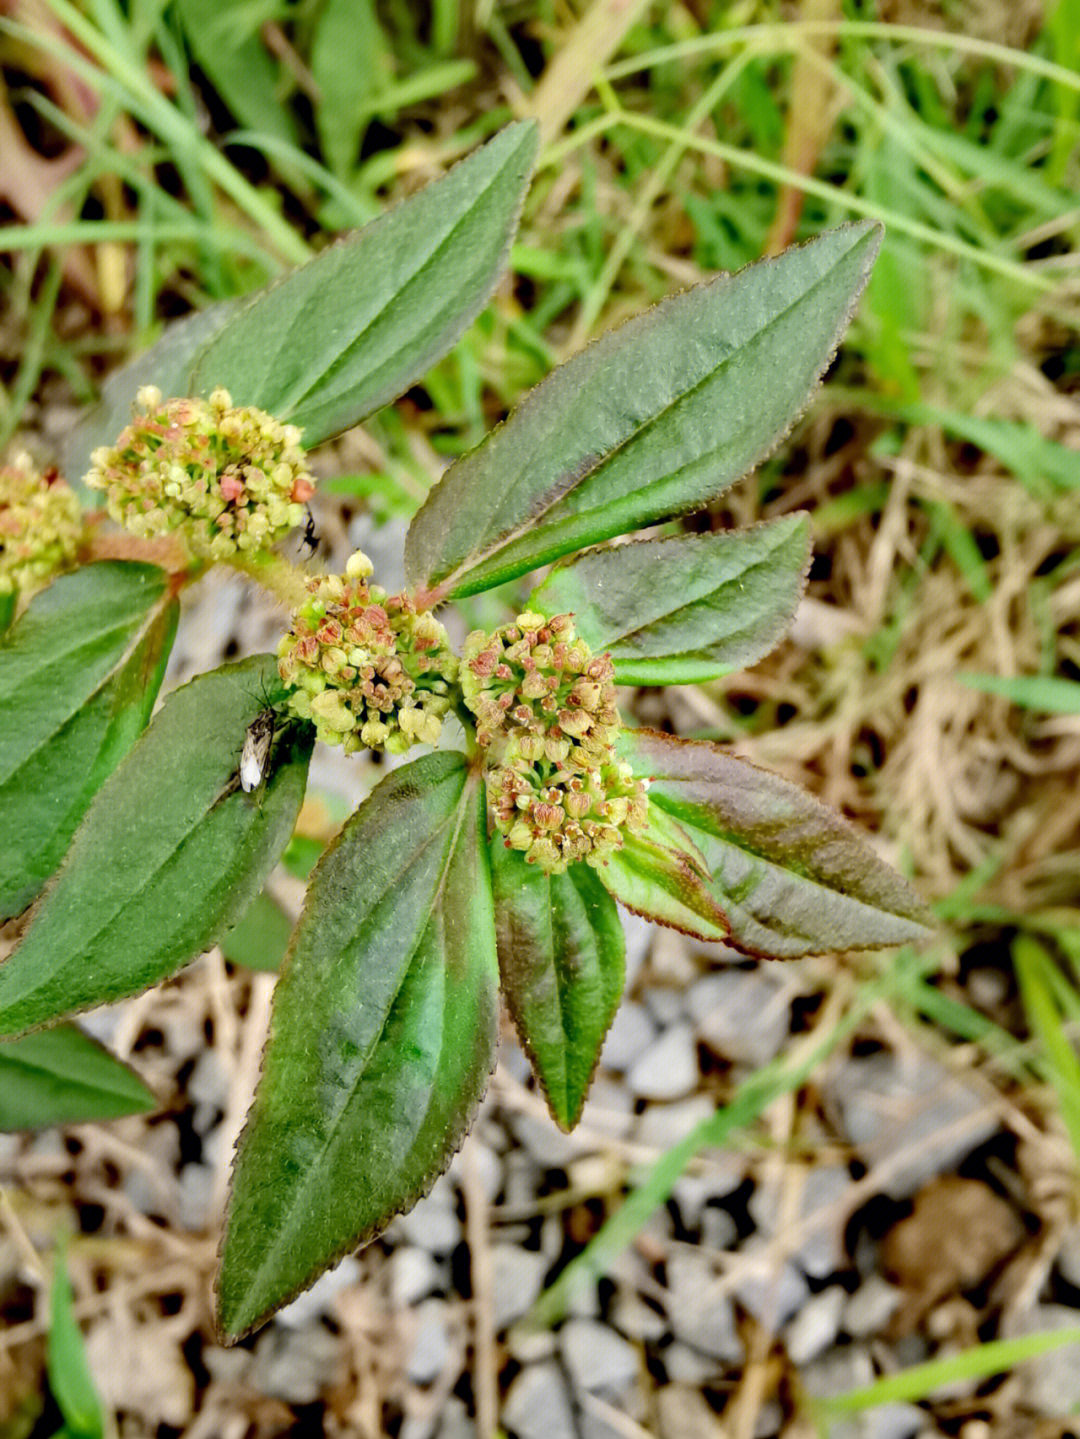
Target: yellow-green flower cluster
pixel 365 667
pixel 40 526
pixel 231 479
pixel 546 717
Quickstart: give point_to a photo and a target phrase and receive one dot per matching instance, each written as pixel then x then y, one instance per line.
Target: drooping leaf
pixel 687 608
pixel 261 938
pixel 344 334
pixel 561 961
pixel 224 39
pixel 660 874
pixel 654 419
pixel 169 856
pixel 70 1379
pixel 793 876
pixel 167 364
pixel 381 1042
pixel 62 1076
pixel 79 673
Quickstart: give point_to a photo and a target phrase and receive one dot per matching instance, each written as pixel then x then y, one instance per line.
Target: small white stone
pixel 196 1190
pixel 815 1327
pixel 871 1307
pixel 772 1293
pixel 685 1414
pixel 668 1069
pixel 687 1365
pixel 538 1405
pixel 632 1031
pixel 597 1359
pixel 319 1299
pixel 636 1319
pixel 431 1345
pixel 413 1275
pixel 609 1109
pixel 698 1315
pixel 662 1125
pixel 432 1224
pixel 517 1276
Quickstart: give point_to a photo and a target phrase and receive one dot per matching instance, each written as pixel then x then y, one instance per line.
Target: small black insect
pixel 310 537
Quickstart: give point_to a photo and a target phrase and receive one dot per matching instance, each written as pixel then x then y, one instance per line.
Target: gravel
pixel 597 1359
pixel 697 1315
pixel 319 1299
pixel 632 1031
pixel 741 1014
pixel 414 1273
pixel 773 1291
pixel 662 1125
pixel 430 1349
pixel 517 1276
pixel 538 1405
pixel 668 1068
pixel 871 1307
pixel 294 1365
pixel 815 1327
pixel 1051 1381
pixel 916 1117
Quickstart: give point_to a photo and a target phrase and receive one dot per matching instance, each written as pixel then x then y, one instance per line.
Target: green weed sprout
pixel 495 866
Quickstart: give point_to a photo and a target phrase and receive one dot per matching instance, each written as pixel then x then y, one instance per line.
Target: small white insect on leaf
pixel 256 750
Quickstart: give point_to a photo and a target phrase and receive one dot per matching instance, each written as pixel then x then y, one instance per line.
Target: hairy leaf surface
pixel 381 1043
pixel 169 856
pixel 793 876
pixel 688 608
pixel 62 1076
pixel 561 960
pixel 353 328
pixel 654 419
pixel 79 674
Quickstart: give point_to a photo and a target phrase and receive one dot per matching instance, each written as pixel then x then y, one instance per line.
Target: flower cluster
pixel 40 526
pixel 546 717
pixel 234 479
pixel 365 666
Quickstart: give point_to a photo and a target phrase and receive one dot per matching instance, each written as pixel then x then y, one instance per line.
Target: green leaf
pixel 346 333
pixel 166 364
pixel 680 610
pixel 169 856
pixel 659 874
pixel 62 1076
pixel 1052 693
pixel 793 876
pixel 351 63
pixel 654 419
pixel 224 38
pixel 561 951
pixel 79 673
pixel 70 1379
pixel 261 938
pixel 381 1042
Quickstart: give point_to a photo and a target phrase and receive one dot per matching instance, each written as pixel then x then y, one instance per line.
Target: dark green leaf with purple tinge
pixel 654 419
pixel 660 874
pixel 561 952
pixel 170 854
pixel 79 673
pixel 344 334
pixel 688 608
pixel 381 1043
pixel 793 876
